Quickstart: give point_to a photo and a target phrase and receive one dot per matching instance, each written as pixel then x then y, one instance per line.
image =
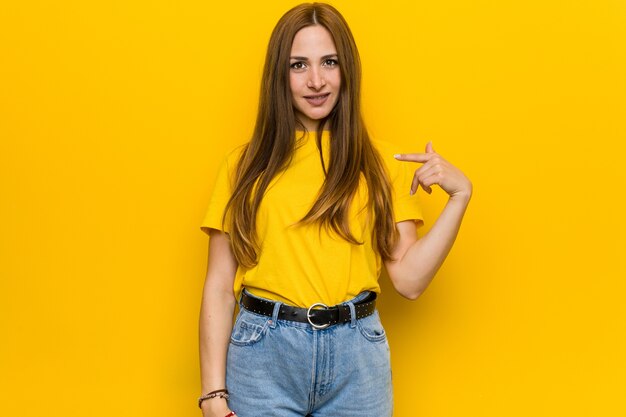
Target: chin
pixel 318 114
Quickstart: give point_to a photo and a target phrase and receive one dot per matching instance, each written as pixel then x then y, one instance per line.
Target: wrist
pixel 220 394
pixel 215 407
pixel 461 196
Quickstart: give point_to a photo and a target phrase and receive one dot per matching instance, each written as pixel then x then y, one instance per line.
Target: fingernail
pixel 397 155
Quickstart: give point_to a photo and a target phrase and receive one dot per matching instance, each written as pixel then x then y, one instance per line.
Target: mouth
pixel 317 99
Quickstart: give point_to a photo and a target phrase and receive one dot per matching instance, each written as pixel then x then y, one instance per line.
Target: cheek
pixel 293 91
pixel 336 79
pixel 293 82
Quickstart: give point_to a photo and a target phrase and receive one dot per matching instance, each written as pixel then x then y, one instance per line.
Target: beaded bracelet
pixel 221 393
pixel 231 414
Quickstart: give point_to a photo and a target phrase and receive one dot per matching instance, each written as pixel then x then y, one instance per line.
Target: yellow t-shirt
pixel 301 265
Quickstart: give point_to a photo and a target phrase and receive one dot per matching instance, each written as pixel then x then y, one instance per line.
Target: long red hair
pixel 273 143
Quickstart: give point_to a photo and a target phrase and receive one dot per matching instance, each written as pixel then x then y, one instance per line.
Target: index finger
pixel 413 157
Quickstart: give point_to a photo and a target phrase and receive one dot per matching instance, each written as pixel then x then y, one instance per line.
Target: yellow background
pixel 114 114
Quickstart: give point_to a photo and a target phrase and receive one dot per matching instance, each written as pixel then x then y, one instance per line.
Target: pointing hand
pixel 436 170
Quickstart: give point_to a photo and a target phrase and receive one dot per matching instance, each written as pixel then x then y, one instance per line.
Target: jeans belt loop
pixel 352 314
pixel 274 320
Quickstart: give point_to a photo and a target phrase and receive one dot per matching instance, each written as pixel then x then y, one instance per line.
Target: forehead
pixel 313 41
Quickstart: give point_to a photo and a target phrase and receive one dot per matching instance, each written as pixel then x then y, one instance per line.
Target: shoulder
pixel 227 165
pixel 387 150
pixel 230 159
pixel 233 155
pixel 381 144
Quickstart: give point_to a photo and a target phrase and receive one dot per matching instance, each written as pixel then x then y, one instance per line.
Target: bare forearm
pixel 216 315
pixel 425 256
pixel 215 327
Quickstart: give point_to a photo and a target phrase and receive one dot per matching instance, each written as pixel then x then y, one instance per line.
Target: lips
pixel 317 99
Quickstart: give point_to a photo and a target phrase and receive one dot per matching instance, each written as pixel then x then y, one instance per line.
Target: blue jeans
pixel 282 368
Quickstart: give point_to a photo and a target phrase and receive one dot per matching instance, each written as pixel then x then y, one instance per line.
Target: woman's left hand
pixel 436 170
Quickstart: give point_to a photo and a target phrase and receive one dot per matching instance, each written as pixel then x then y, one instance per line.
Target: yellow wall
pixel 113 115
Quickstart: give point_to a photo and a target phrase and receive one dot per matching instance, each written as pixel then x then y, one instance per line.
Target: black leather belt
pixel 319 318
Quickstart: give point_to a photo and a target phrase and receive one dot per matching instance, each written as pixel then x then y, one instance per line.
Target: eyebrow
pixel 303 58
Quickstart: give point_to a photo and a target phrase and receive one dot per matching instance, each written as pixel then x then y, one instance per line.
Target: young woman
pixel 301 220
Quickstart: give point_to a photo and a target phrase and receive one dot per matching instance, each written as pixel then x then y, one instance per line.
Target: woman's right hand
pixel 215 407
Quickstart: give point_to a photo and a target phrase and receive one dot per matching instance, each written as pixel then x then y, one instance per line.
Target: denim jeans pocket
pixel 249 328
pixel 371 328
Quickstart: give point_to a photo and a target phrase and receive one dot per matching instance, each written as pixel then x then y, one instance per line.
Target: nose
pixel 316 80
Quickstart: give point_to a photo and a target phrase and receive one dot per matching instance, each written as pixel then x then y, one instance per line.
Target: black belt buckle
pixel 308 316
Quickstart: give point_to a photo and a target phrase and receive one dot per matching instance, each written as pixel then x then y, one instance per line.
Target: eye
pixel 331 62
pixel 298 65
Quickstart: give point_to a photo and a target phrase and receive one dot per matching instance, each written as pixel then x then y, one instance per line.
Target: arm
pixel 416 261
pixel 216 313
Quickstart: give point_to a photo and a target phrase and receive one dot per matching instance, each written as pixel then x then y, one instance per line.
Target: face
pixel 314 75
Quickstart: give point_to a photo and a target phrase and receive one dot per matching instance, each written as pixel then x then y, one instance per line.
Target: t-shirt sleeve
pixel 405 206
pixel 220 196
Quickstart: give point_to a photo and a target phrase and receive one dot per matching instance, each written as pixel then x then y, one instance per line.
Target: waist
pixel 318 315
